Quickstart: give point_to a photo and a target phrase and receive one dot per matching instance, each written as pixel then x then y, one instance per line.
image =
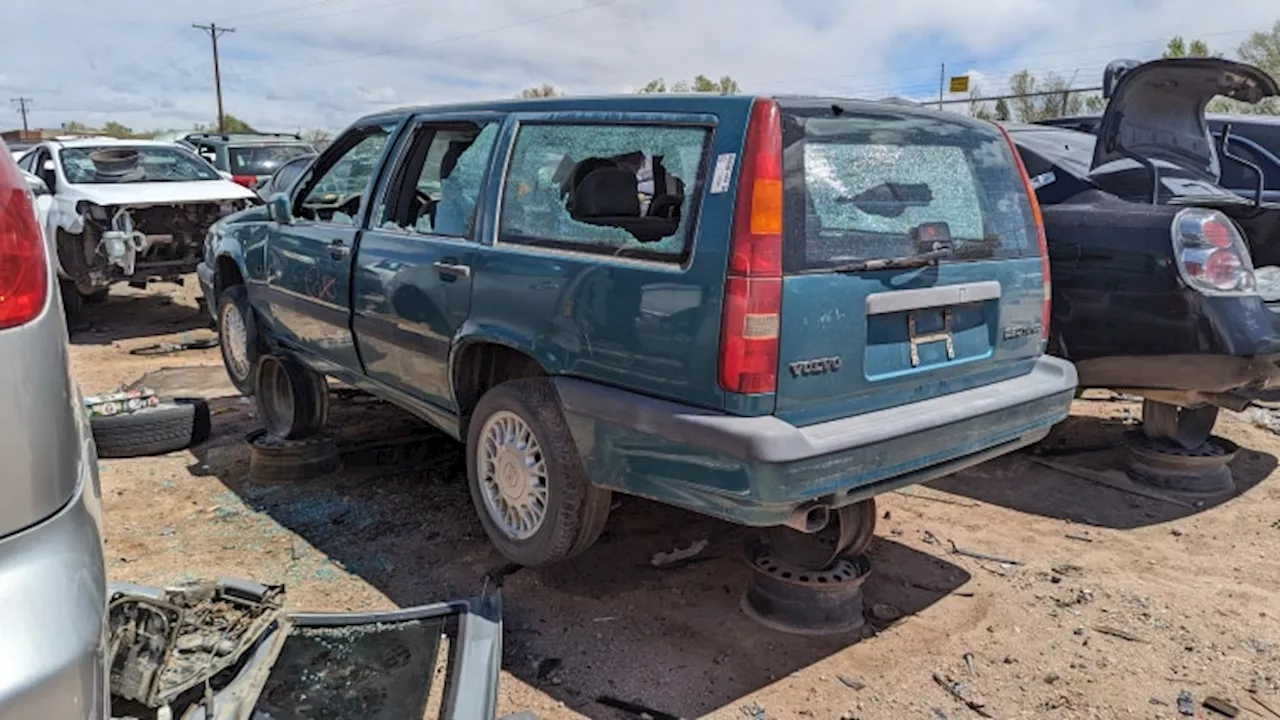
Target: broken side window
pixel 615 189
pixel 336 194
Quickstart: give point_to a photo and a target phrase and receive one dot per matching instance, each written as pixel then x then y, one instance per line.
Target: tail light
pixel 246 180
pixel 24 271
pixel 1046 310
pixel 753 286
pixel 1211 254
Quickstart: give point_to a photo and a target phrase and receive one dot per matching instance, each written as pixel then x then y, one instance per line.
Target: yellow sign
pixel 960 84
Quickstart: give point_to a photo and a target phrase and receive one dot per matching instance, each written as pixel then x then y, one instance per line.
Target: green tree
pixel 1179 48
pixel 233 124
pixel 116 130
pixel 978 107
pixel 1043 98
pixel 544 90
pixel 701 84
pixel 1262 48
pixel 1002 111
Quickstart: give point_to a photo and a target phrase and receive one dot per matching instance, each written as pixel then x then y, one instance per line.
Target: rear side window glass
pixel 866 185
pixel 262 159
pixel 627 190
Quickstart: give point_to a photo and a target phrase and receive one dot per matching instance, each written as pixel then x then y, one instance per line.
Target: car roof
pixel 660 102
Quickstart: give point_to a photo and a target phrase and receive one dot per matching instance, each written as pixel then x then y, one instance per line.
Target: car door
pixel 308 258
pixel 413 267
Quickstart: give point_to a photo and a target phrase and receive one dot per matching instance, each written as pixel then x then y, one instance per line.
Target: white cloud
pixel 324 63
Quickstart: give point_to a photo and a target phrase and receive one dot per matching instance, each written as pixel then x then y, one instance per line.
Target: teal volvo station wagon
pixel 764 309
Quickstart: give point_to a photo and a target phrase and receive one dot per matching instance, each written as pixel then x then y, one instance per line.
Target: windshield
pixel 870 184
pixel 124 163
pixel 263 159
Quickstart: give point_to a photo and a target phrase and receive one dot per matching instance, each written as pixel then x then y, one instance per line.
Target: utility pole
pixel 942 81
pixel 22 108
pixel 214 31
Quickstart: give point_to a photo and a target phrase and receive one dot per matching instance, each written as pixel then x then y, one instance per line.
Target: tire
pixel 1187 427
pixel 292 399
pixel 273 460
pixel 575 511
pixel 239 355
pixel 173 425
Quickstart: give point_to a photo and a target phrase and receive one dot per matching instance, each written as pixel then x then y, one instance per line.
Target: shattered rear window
pixel 860 184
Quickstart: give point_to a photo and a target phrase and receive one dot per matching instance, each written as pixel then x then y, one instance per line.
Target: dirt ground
pixel 1116 605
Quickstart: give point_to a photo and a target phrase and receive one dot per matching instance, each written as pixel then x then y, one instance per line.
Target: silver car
pixel 53 586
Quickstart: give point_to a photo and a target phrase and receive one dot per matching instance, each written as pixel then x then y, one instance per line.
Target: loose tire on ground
pixel 292 399
pixel 169 426
pixel 238 337
pixel 576 511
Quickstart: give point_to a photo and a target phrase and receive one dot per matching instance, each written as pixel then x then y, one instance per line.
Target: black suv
pixel 251 158
pixel 1164 282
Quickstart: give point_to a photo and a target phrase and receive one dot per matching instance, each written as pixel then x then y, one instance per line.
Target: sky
pixel 297 65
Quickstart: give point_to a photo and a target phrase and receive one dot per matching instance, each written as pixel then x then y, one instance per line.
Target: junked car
pixel 250 158
pixel 53 585
pixel 764 309
pixel 126 210
pixel 1165 283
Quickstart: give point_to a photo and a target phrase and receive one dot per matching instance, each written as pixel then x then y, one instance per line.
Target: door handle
pixel 451 268
pixel 337 250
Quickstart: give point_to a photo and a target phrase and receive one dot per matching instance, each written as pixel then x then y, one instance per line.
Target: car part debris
pixel 661 559
pixel 168 348
pixel 1116 632
pixel 961 692
pixel 274 460
pixel 792 599
pixel 1186 704
pixel 981 556
pixel 1202 471
pixel 167 642
pixel 374 666
pixel 149 426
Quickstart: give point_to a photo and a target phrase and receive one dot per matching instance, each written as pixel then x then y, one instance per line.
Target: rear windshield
pixel 860 186
pixel 262 159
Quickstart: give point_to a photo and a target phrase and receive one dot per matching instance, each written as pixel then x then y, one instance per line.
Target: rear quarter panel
pixel 646 326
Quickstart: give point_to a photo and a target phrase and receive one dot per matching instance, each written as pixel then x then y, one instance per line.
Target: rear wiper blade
pixel 919 260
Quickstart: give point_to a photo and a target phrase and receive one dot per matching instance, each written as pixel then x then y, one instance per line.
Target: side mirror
pixel 48 166
pixel 37 186
pixel 279 209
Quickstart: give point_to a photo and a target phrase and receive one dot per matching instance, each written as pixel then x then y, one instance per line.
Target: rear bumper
pixel 53 591
pixel 1206 374
pixel 761 470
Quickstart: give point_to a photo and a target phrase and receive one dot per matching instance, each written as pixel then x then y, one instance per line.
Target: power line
pixel 22 109
pixel 214 32
pixel 465 36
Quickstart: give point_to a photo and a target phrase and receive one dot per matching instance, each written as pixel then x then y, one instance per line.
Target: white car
pixel 125 210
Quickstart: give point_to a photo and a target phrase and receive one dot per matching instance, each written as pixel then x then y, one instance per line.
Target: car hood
pixel 161 193
pixel 1157 110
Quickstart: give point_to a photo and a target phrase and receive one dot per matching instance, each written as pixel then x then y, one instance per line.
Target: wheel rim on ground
pixel 275 396
pixel 513 475
pixel 235 341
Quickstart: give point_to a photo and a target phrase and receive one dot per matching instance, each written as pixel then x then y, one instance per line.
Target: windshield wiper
pixel 918 260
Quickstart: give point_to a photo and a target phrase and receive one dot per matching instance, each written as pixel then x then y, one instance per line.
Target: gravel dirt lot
pixel 1118 603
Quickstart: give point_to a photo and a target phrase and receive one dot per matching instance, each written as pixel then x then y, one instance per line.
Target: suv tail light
pixel 753 286
pixel 1046 311
pixel 246 180
pixel 1211 254
pixel 24 271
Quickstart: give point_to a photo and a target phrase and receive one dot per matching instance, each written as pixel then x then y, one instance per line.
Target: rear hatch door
pixel 867 182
